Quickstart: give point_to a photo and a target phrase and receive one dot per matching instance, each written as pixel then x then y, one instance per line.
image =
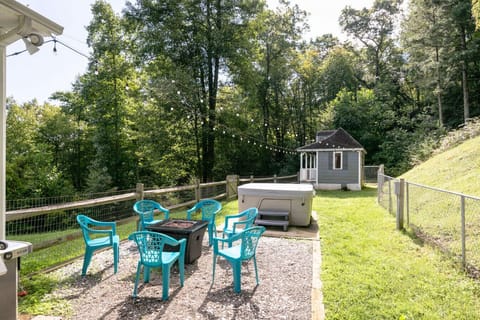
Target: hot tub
pixel 296 199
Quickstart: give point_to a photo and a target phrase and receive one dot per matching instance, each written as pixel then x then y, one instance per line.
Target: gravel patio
pixel 289 286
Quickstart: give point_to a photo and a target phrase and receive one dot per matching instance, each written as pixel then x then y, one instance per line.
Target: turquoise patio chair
pixel 238 222
pixel 92 231
pixel 209 209
pixel 146 210
pixel 235 255
pixel 150 246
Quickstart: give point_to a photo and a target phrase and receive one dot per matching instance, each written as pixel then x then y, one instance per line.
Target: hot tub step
pixel 284 214
pixel 277 223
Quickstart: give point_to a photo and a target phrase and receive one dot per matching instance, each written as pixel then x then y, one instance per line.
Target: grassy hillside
pixel 457 169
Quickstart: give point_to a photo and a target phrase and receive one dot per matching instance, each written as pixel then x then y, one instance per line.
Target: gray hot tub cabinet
pixel 296 199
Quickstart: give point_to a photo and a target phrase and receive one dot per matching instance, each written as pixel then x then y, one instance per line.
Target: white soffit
pixel 17 21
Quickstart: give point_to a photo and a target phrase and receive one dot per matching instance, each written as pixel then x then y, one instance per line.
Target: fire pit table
pixel 191 230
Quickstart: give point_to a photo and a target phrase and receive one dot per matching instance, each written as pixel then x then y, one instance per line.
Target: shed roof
pixel 333 139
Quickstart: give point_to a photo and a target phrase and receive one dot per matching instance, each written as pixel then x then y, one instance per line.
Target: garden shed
pixel 334 161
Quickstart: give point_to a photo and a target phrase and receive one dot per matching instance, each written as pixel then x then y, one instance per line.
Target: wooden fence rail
pixel 56 216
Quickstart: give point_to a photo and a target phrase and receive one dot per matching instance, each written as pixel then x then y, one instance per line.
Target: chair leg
pixel 146 274
pixel 139 266
pixel 116 257
pixel 210 235
pixel 255 265
pixel 165 281
pixel 214 263
pixel 181 267
pixel 86 260
pixel 236 266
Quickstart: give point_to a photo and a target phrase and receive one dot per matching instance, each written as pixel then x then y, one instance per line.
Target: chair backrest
pixel 250 238
pixel 84 223
pixel 146 209
pixel 209 208
pixel 251 213
pixel 150 246
pixel 249 216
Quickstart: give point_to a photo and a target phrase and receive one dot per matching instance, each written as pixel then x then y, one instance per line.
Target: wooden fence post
pixel 274 178
pixel 251 179
pixel 139 191
pixel 197 190
pixel 232 184
pixel 399 191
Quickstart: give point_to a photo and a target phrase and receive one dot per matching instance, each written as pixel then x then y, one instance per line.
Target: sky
pixel 39 75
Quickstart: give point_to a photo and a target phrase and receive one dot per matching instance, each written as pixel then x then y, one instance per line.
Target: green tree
pixel 105 90
pixel 441 52
pixel 374 29
pixel 198 39
pixel 31 169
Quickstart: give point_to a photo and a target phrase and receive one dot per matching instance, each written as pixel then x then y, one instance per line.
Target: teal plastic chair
pixel 235 255
pixel 238 222
pixel 92 231
pixel 209 209
pixel 146 210
pixel 150 246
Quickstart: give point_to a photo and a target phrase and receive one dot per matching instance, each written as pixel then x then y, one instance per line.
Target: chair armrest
pixel 230 240
pixel 190 211
pixel 174 242
pixel 183 245
pixel 164 210
pixel 110 224
pixel 230 217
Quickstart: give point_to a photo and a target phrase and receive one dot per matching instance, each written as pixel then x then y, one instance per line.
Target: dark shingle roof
pixel 333 139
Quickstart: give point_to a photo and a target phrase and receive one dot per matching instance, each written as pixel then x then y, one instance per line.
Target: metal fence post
pixel 399 191
pixel 380 182
pixel 252 179
pixel 407 202
pixel 274 178
pixel 462 213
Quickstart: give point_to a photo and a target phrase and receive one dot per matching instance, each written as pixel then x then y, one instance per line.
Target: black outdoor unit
pixel 10 253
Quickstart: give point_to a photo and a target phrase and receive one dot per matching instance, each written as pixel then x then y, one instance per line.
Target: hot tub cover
pixel 276 189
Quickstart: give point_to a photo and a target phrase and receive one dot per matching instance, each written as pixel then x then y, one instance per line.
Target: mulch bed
pixel 284 292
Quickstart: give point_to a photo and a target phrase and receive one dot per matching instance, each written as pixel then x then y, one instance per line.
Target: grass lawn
pixel 372 271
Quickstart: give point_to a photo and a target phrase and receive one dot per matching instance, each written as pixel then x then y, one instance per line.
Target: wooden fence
pixel 58 217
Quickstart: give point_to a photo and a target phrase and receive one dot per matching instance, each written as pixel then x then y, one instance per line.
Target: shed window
pixel 337 160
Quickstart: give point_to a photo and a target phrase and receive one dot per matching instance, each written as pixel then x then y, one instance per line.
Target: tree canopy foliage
pixel 178 90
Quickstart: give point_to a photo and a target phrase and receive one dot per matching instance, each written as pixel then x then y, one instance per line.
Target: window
pixel 337 160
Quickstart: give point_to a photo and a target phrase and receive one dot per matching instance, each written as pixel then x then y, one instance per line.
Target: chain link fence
pixel 448 220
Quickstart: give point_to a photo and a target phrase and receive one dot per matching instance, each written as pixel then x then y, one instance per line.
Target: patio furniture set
pixel 163 242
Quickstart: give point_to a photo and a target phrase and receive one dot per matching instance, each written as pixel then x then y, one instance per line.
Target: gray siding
pixel 349 173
